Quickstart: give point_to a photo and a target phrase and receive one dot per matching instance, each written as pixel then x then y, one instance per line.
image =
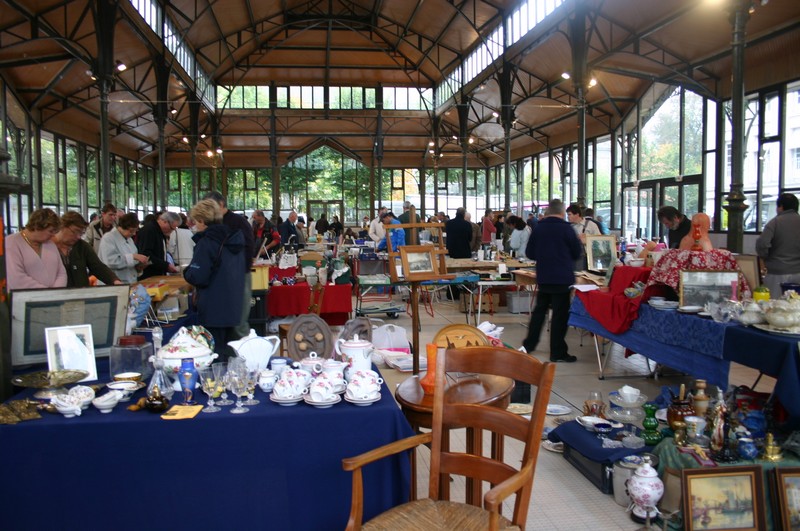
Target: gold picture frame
pixel 723 498
pixel 419 262
pixel 601 252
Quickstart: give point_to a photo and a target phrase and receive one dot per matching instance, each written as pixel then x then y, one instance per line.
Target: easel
pixel 415 278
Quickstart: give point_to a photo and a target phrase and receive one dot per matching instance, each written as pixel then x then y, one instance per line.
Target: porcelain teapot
pixel 256 350
pixel 357 353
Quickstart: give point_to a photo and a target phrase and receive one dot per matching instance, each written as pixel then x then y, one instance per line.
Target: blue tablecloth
pixel 272 468
pixel 589 445
pixel 774 355
pixel 684 342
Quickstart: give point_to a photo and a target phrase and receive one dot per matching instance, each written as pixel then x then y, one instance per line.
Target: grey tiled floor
pixel 562 497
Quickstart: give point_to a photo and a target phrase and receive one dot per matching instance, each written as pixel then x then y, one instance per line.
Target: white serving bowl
pixel 106 402
pixel 588 422
pixel 636 262
pixel 67 405
pixel 125 388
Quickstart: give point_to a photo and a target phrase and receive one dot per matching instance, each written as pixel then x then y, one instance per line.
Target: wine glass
pixel 252 379
pixel 238 384
pixel 594 403
pixel 220 377
pixel 209 384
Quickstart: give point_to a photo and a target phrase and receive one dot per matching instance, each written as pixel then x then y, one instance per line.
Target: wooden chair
pixel 480 511
pixel 460 335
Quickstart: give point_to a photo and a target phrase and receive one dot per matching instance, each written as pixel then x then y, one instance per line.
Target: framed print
pixel 748 263
pixel 786 497
pixel 723 498
pixel 419 262
pixel 601 252
pixel 104 308
pixel 699 287
pixel 71 347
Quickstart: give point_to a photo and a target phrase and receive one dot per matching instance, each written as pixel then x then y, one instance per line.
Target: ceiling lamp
pixel 471 140
pixel 431 143
pixel 202 135
pixel 121 67
pixel 219 151
pixel 495 114
pixel 173 111
pixel 209 153
pixel 592 82
pixel 565 75
pixel 431 151
pixel 185 140
pixel 91 75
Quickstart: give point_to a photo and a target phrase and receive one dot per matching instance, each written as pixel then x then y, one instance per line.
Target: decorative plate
pixel 558 409
pixel 47 379
pixel 520 409
pixel 309 333
pixel 793 332
pixel 690 309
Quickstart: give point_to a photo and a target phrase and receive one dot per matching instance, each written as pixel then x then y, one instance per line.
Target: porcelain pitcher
pixel 357 353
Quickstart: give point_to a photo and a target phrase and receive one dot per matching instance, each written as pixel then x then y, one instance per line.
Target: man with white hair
pixel 377 232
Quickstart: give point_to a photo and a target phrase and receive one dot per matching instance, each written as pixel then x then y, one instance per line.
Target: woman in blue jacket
pixel 216 272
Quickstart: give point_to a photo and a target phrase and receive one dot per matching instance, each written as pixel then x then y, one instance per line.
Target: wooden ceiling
pixel 48 47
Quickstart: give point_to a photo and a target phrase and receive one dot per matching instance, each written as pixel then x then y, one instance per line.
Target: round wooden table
pixel 417 407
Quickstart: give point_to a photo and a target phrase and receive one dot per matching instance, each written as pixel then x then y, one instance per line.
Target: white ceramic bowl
pixel 589 422
pixel 106 402
pixel 67 405
pixel 636 262
pixel 84 394
pixel 125 388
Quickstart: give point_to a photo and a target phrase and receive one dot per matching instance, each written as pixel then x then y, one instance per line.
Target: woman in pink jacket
pixel 32 259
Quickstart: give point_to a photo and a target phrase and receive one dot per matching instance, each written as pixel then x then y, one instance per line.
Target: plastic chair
pixel 481 511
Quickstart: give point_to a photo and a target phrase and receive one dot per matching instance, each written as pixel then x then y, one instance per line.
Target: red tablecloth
pixel 612 308
pixel 337 302
pixel 668 269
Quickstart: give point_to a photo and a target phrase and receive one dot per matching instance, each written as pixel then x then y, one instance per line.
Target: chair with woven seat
pixel 481 511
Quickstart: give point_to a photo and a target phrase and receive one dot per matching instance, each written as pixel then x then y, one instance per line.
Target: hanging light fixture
pixel 172 110
pixel 121 67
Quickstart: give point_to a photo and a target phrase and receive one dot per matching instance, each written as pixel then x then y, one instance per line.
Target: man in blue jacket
pixel 555 247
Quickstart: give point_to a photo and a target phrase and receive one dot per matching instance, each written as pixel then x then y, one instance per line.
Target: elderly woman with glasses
pixel 118 251
pixel 32 260
pixel 78 256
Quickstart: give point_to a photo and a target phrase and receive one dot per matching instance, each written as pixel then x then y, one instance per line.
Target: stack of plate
pixel 663 305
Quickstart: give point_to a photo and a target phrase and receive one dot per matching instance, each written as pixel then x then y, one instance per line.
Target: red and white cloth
pixel 668 270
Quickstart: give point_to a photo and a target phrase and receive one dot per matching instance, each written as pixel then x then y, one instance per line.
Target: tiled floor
pixel 562 497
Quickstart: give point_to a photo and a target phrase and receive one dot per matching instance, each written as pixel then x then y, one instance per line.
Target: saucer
pixel 558 409
pixel 285 401
pixel 362 402
pixel 322 405
pixel 690 309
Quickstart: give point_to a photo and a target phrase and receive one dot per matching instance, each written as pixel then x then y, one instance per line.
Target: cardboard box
pixel 260 275
pixel 487 302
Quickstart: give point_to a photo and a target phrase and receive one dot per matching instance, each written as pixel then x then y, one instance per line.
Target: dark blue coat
pixel 218 275
pixel 555 247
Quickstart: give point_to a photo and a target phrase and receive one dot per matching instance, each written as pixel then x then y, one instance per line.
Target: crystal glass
pixel 220 377
pixel 238 385
pixel 252 380
pixel 209 385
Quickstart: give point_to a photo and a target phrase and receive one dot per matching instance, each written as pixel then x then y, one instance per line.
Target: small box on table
pixel 260 274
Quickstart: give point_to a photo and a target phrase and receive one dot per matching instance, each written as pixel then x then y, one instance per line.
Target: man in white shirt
pixel 582 227
pixel 376 230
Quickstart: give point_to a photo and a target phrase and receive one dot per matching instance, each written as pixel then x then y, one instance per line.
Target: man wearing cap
pixel 405 217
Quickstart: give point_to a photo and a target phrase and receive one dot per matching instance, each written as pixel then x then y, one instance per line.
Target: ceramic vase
pixel 651 435
pixel 645 489
pixel 677 410
pixel 187 378
pixel 428 381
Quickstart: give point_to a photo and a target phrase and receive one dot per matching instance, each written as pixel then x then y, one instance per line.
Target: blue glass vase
pixel 187 376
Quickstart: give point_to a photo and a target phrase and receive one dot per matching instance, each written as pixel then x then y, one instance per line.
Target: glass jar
pixel 131 354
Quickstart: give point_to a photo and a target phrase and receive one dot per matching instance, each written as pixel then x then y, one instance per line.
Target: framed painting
pixel 103 308
pixel 71 347
pixel 601 252
pixel 723 498
pixel 748 263
pixel 419 262
pixel 786 497
pixel 699 287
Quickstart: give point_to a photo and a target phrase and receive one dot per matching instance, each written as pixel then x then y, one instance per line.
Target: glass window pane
pixel 692 134
pixel 660 133
pixel 771 116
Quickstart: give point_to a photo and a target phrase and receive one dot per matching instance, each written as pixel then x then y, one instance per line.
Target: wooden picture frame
pixel 698 287
pixel 601 252
pixel 104 308
pixel 748 264
pixel 786 504
pixel 419 262
pixel 723 498
pixel 71 347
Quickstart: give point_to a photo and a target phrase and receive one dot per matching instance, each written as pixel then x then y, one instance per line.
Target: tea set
pixel 320 382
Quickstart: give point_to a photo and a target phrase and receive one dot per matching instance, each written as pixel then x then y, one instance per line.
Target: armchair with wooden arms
pixel 481 511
